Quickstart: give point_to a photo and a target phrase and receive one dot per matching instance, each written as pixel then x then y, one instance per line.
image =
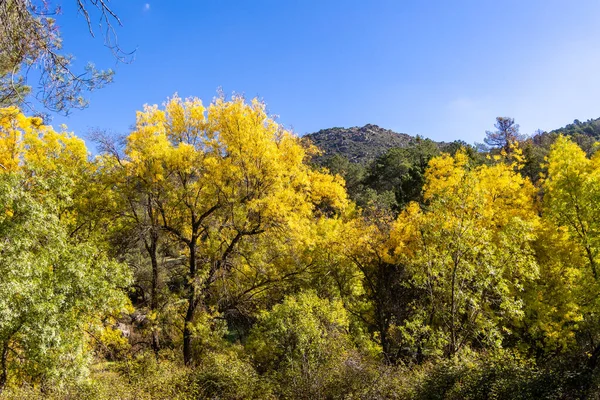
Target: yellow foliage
pixel 468 247
pixel 230 152
pixel 27 144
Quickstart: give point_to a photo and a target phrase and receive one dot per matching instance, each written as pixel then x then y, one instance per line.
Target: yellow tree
pixel 374 287
pixel 469 249
pixel 27 144
pixel 572 195
pixel 557 303
pixel 222 175
pixel 54 163
pixel 572 201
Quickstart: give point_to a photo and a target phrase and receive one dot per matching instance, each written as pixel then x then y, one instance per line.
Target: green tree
pixel 353 173
pixel 301 346
pixel 402 170
pixel 55 286
pixel 52 290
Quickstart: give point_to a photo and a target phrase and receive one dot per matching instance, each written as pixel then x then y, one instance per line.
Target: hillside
pixel 361 145
pixel 358 144
pixel 591 128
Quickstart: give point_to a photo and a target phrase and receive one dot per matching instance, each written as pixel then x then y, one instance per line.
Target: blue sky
pixel 442 69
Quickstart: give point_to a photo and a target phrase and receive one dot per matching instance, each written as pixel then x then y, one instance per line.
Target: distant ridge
pixel 591 128
pixel 358 144
pixel 361 145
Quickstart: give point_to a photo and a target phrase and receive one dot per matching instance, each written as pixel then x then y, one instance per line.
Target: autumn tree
pixel 225 174
pixel 557 305
pixel 572 194
pixel 571 201
pixel 469 249
pixel 128 207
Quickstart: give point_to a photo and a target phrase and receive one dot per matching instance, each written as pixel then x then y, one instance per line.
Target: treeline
pixel 203 256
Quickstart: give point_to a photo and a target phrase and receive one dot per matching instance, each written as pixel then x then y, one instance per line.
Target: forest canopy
pixel 205 255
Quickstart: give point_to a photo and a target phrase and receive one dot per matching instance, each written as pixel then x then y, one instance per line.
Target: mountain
pixel 358 144
pixel 361 145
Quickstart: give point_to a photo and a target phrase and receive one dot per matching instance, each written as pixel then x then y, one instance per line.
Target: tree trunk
pixel 153 251
pixel 3 373
pixel 189 315
pixel 154 294
pixel 590 255
pixel 453 310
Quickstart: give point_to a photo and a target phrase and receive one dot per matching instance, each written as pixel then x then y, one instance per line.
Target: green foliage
pixel 391 180
pixel 144 380
pixel 500 375
pixel 51 289
pixel 402 170
pixel 299 330
pixel 228 375
pixel 353 173
pixel 590 128
pixel 303 347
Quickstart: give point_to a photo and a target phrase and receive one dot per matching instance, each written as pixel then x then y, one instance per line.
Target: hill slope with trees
pixel 590 128
pixel 358 144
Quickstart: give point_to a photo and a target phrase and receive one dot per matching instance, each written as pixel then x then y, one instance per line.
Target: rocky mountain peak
pixel 358 144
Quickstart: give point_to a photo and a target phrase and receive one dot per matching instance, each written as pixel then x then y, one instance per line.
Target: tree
pixel 301 345
pixel 353 173
pixel 54 287
pixel 384 299
pixel 128 201
pixel 572 196
pixel 402 170
pixel 223 176
pixel 559 301
pixel 506 134
pixel 571 202
pixel 29 37
pixel 470 249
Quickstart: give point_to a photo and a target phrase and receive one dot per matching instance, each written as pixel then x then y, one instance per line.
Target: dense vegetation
pixel 591 127
pixel 213 254
pixel 207 256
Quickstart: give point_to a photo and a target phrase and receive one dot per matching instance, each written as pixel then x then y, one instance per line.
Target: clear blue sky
pixel 442 69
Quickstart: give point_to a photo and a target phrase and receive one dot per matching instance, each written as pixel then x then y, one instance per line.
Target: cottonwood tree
pixel 226 174
pixel 572 194
pixel 469 249
pixel 127 203
pixel 572 202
